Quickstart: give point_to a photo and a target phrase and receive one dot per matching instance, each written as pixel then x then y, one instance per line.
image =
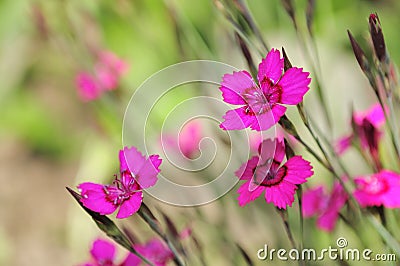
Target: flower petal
pixel 147 175
pixel 281 195
pixel 155 251
pixel 279 150
pixel 131 159
pixel 267 150
pixel 391 198
pixel 375 115
pixel 277 112
pixel 327 220
pixel 103 250
pixel 270 68
pixel 294 83
pixel 267 120
pixel 237 119
pixel 189 138
pixel 245 171
pixel 314 201
pixel 94 198
pixel 343 144
pixel 362 195
pixel 131 260
pixel 297 170
pixel 88 87
pixel 246 196
pixel 234 84
pixel 329 216
pixel 130 206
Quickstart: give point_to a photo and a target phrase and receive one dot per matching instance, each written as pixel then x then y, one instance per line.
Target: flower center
pixel 259 102
pixel 376 186
pixel 268 174
pixel 105 262
pixel 121 189
pixel 274 94
pixel 256 101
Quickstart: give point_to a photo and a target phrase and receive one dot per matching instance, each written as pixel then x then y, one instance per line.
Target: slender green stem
pixel 389 116
pixel 314 68
pixel 284 216
pixel 386 236
pixel 301 218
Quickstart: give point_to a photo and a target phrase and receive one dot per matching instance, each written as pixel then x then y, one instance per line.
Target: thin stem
pixel 330 168
pixel 389 117
pixel 386 236
pixel 301 219
pixel 284 216
pixel 314 131
pixel 314 69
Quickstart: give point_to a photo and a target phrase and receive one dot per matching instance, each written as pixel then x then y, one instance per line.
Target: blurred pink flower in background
pixel 136 172
pixel 265 173
pixel 366 129
pixel 103 253
pixel 88 86
pixel 187 141
pixel 106 76
pixel 155 251
pixel 325 206
pixel 380 189
pixel 261 105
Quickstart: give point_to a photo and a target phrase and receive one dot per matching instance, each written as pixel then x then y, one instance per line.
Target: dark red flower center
pixel 122 188
pixel 105 262
pixel 369 134
pixel 376 186
pixel 268 175
pixel 259 101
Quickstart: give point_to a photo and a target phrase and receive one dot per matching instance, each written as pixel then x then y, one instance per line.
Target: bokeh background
pixel 50 138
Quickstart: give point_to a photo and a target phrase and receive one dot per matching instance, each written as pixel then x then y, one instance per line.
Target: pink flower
pixel 366 130
pixel 187 141
pixel 155 251
pixel 136 173
pixel 103 254
pixel 261 103
pixel 326 207
pixel 88 87
pixel 108 71
pixel 265 173
pixel 382 188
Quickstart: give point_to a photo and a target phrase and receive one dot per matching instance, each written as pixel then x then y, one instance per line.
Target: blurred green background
pixel 50 139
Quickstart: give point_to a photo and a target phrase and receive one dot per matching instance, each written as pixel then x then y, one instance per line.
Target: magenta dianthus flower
pixel 380 189
pixel 325 206
pixel 261 103
pixel 136 173
pixel 265 173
